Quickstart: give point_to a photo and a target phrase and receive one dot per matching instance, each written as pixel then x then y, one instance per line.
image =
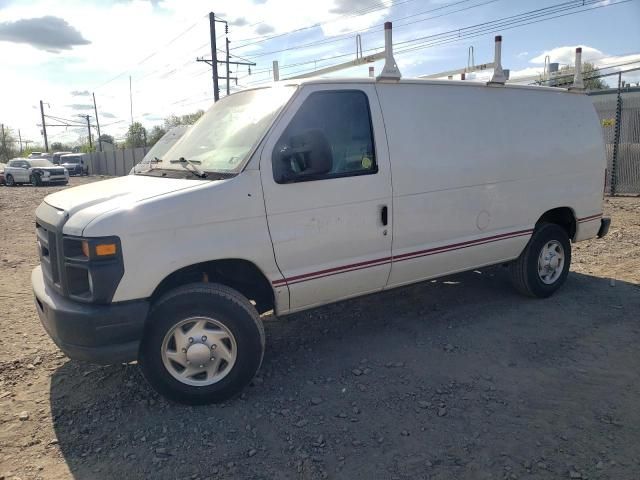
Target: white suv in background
pixel 36 171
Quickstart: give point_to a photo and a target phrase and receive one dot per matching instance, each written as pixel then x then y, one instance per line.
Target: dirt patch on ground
pixel 455 378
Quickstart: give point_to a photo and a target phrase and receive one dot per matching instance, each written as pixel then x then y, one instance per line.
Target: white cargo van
pixel 301 194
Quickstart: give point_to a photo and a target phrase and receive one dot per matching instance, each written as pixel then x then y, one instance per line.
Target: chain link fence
pixel 619 112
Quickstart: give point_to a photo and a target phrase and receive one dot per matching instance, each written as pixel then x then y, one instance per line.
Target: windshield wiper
pixel 191 163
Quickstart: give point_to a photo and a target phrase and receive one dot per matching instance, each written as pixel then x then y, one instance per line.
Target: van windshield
pixel 71 159
pixel 221 140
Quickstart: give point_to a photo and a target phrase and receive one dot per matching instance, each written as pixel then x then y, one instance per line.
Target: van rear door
pixel 329 218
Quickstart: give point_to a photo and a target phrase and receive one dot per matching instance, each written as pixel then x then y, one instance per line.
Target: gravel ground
pixel 456 378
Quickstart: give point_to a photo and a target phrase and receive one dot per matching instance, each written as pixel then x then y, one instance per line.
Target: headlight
pixel 93 268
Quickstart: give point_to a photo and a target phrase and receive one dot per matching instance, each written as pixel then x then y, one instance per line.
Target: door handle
pixel 384 215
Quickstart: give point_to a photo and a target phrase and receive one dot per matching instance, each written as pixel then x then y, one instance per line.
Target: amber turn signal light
pixel 106 249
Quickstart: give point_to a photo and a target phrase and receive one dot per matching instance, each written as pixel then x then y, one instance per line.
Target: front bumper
pixel 605 223
pixel 102 334
pixel 56 179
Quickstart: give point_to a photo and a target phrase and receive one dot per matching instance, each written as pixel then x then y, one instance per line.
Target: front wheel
pixel 9 181
pixel 203 344
pixel 543 266
pixel 35 180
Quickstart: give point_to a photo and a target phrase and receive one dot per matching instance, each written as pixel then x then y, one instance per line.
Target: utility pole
pixel 89 132
pixel 214 56
pixel 86 117
pixel 20 140
pixel 213 62
pixel 130 99
pixel 226 39
pixel 44 128
pixel 4 144
pixel 95 109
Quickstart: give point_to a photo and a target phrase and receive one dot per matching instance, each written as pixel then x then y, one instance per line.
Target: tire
pixel 35 180
pixel 224 312
pixel 533 280
pixel 8 180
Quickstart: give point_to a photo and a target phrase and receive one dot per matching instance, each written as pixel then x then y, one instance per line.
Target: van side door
pixel 327 187
pixel 457 182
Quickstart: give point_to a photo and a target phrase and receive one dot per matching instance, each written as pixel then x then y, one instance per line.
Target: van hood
pixel 121 192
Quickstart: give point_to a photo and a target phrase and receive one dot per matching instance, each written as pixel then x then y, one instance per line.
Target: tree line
pixel 139 136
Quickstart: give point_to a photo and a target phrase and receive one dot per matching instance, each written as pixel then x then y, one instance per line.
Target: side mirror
pixel 306 155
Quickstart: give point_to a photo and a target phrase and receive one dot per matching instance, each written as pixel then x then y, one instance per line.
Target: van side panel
pixel 475 167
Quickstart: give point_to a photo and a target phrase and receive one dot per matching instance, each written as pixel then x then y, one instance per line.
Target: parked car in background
pixel 2 165
pixel 55 158
pixel 75 163
pixel 161 147
pixel 36 171
pixel 45 155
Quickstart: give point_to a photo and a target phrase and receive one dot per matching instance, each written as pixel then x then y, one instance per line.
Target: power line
pixel 504 26
pixel 452 36
pixel 457 34
pixel 60 119
pixel 151 55
pixel 473 31
pixel 370 30
pixel 264 38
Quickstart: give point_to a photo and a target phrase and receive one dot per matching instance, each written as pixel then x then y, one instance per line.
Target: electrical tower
pixel 213 61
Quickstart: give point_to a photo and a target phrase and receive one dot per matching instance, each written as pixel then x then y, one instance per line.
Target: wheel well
pixel 238 274
pixel 562 216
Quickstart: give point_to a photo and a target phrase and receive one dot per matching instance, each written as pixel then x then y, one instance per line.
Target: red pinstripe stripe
pixel 382 262
pixel 590 218
pixel 335 269
pixel 405 256
pixel 457 246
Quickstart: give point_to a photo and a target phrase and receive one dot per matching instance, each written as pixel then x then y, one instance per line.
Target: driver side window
pixel 330 136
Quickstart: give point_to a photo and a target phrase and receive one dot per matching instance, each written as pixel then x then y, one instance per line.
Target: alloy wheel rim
pixel 199 351
pixel 551 262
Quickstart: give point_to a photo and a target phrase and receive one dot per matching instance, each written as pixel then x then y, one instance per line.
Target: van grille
pixel 49 255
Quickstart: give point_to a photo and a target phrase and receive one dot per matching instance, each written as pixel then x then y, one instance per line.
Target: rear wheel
pixel 543 266
pixel 35 180
pixel 203 344
pixel 9 181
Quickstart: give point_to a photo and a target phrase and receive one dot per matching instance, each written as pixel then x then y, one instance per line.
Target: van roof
pixel 418 81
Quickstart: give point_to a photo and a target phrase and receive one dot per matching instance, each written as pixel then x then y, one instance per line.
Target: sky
pixel 63 51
